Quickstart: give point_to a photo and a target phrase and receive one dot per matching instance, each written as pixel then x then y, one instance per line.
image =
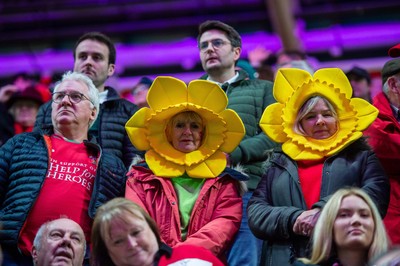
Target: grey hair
pixel 93 91
pixel 385 87
pixel 306 108
pixel 37 241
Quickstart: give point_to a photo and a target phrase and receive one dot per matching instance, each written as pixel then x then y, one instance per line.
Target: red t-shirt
pixel 66 190
pixel 310 176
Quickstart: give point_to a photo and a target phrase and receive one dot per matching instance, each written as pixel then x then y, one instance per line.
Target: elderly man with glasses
pixel 57 172
pixel 220 47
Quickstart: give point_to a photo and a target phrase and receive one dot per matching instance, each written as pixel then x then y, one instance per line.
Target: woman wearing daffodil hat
pixel 320 127
pixel 184 184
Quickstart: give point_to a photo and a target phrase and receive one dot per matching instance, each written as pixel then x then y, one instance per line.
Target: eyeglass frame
pixel 213 44
pixel 82 97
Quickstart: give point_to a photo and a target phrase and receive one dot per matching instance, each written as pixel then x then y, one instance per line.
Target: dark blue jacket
pixel 24 161
pixel 111 134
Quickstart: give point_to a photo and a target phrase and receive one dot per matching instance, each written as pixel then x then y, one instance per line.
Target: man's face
pixel 360 88
pixel 63 243
pixel 25 111
pixel 91 59
pixel 217 59
pixel 67 115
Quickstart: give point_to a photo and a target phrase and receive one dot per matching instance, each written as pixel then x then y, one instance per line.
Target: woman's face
pixel 354 225
pixel 319 123
pixel 132 242
pixel 186 134
pixel 25 112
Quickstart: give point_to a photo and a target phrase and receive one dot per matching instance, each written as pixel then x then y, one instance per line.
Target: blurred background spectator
pixel 19 108
pixel 138 93
pixel 361 82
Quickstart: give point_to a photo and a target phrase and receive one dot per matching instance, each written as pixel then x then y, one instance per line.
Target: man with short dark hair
pixel 220 47
pixel 58 172
pixel 59 242
pixel 384 137
pixel 361 82
pixel 95 55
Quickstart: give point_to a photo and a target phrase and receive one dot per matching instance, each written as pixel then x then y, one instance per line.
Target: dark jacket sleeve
pixel 5 157
pixel 253 148
pixel 265 220
pixel 43 118
pixel 376 183
pixel 6 124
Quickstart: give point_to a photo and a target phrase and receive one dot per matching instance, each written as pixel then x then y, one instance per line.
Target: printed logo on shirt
pixel 80 173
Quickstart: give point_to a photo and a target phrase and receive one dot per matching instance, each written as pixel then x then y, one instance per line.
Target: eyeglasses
pixel 216 43
pixel 74 97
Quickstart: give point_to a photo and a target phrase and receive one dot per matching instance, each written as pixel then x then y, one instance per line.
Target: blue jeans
pixel 246 248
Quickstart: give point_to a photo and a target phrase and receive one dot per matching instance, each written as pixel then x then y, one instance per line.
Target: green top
pixel 188 190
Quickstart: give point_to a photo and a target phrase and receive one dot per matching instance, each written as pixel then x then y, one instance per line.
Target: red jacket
pixel 215 217
pixel 384 137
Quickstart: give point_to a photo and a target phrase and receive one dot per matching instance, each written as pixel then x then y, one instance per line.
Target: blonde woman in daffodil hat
pixel 184 183
pixel 320 127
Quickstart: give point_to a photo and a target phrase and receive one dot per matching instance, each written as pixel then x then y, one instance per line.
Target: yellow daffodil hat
pixel 293 87
pixel 169 96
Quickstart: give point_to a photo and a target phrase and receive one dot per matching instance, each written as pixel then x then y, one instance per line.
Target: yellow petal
pixel 348 141
pixel 208 95
pixel 235 130
pixel 271 122
pixel 335 76
pixel 165 92
pixel 136 129
pixel 210 168
pixel 161 167
pixel 287 80
pixel 366 113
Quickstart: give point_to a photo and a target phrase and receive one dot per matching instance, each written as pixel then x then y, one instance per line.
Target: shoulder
pixel 360 145
pixel 237 173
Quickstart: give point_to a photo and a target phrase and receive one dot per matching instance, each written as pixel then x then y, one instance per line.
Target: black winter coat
pixel 24 161
pixel 278 199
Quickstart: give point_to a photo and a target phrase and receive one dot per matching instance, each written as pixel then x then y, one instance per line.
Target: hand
pixel 6 92
pixel 258 55
pixel 306 221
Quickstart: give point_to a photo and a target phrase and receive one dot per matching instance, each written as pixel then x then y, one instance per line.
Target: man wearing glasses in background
pixel 57 172
pixel 220 47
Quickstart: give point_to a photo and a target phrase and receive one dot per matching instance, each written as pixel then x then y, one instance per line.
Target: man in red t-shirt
pixel 56 173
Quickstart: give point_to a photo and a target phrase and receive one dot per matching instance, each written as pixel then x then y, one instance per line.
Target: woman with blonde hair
pixel 320 126
pixel 349 231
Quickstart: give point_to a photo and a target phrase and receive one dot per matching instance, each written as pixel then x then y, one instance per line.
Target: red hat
pixel 394 51
pixel 37 93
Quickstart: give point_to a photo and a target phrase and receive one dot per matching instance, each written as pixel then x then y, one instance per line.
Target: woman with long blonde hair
pixel 349 231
